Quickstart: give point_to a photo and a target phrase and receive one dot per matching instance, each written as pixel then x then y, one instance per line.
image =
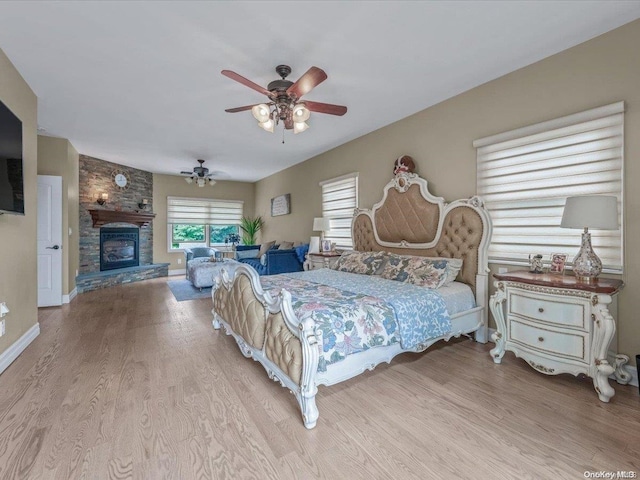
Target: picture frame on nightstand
pixel 558 262
pixel 326 246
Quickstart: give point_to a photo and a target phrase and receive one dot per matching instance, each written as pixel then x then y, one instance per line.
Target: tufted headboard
pixel 410 221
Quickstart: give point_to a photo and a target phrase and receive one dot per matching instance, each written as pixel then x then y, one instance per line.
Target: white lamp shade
pixel 188 180
pixel 260 112
pixel 300 113
pixel 321 224
pixel 598 212
pixel 201 182
pixel 299 127
pixel 269 125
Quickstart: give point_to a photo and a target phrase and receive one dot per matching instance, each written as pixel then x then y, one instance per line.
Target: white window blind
pixel 339 200
pixel 203 211
pixel 525 176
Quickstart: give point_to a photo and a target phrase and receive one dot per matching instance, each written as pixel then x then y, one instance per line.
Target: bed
pixel 271 323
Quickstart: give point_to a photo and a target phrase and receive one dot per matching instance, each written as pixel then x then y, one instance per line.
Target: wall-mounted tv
pixel 11 179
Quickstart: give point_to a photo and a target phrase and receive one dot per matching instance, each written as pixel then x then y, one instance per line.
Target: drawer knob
pixel 541 339
pixel 541 309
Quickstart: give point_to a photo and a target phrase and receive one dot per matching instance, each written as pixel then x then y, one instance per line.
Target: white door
pixel 49 240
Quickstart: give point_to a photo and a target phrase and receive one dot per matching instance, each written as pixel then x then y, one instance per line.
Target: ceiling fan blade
pixel 246 82
pixel 307 82
pixel 326 108
pixel 240 109
pixel 186 173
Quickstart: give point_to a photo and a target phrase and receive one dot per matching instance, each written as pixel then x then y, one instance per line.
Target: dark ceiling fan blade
pixel 307 82
pixel 240 109
pixel 326 108
pixel 245 81
pixel 186 173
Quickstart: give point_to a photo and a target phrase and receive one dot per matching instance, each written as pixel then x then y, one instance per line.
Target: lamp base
pixel 586 265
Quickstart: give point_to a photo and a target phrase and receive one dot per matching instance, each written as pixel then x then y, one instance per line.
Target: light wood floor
pixel 128 383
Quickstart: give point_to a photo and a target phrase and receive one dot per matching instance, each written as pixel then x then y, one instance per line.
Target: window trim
pixel 542 129
pixel 206 222
pixel 355 176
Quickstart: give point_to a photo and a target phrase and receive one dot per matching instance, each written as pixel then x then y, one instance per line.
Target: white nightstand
pixel 558 325
pixel 321 260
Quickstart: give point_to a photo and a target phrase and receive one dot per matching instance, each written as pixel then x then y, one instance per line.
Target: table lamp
pixel 599 212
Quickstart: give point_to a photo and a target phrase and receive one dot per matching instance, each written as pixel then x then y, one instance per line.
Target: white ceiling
pixel 139 83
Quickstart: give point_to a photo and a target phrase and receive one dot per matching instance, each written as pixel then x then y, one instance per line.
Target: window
pixel 201 222
pixel 339 200
pixel 525 176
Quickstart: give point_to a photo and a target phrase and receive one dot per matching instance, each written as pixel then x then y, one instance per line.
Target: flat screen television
pixel 11 179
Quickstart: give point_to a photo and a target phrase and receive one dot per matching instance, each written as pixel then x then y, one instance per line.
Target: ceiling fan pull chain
pixel 283 133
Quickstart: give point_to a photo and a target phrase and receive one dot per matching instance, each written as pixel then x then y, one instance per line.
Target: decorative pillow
pixel 419 271
pixel 366 263
pixel 264 248
pixel 453 267
pixel 252 253
pixel 301 252
pixel 263 260
pixel 285 246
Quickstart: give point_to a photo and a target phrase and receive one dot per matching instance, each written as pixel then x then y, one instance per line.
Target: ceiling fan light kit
pixel 285 105
pixel 200 176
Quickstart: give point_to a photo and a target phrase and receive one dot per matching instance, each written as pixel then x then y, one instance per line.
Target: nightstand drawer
pixel 566 314
pixel 567 344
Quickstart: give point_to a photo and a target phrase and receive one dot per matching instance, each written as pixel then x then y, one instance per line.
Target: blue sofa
pixel 276 261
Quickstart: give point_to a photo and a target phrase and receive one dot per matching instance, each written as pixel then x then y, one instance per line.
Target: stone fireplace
pixel 119 247
pixel 116 236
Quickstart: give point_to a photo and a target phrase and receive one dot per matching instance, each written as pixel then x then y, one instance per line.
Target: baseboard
pixel 11 353
pixel 633 371
pixel 71 296
pixel 179 271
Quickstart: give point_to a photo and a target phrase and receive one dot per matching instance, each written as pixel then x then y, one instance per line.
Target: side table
pixel 558 325
pixel 321 260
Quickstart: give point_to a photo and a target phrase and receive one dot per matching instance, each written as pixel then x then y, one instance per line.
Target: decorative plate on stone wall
pixel 121 179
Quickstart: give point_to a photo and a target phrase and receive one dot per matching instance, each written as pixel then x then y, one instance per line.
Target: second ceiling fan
pixel 285 104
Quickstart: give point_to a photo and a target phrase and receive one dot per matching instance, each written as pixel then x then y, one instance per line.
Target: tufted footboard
pixel 267 330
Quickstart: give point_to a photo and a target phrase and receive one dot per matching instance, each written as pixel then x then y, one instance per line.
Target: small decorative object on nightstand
pixel 321 260
pixel 558 324
pixel 535 262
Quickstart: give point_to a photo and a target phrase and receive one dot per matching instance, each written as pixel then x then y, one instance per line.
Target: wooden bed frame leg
pixel 496 306
pixel 309 409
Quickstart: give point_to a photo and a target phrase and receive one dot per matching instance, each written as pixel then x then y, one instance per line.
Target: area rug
pixel 184 290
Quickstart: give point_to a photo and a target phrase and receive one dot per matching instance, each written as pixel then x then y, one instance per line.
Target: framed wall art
pixel 281 205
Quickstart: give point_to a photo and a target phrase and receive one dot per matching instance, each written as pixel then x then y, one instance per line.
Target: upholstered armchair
pixel 195 252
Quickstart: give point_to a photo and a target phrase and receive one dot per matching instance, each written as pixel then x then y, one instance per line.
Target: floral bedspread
pixel 356 312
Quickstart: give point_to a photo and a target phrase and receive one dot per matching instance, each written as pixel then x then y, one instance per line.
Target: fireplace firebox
pixel 119 247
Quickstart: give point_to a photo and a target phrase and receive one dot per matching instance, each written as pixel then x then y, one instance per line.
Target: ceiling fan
pixel 284 100
pixel 200 175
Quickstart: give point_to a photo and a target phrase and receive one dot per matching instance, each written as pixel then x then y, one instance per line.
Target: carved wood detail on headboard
pixel 410 221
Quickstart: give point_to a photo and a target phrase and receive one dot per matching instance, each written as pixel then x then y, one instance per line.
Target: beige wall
pixel 173 186
pixel 18 233
pixel 601 71
pixel 56 156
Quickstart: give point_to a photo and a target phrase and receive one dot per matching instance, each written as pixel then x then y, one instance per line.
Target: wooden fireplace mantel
pixel 102 217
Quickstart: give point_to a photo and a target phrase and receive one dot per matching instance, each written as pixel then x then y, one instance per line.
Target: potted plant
pixel 250 228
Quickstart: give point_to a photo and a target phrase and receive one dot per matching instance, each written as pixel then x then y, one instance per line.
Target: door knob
pixel 55 247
